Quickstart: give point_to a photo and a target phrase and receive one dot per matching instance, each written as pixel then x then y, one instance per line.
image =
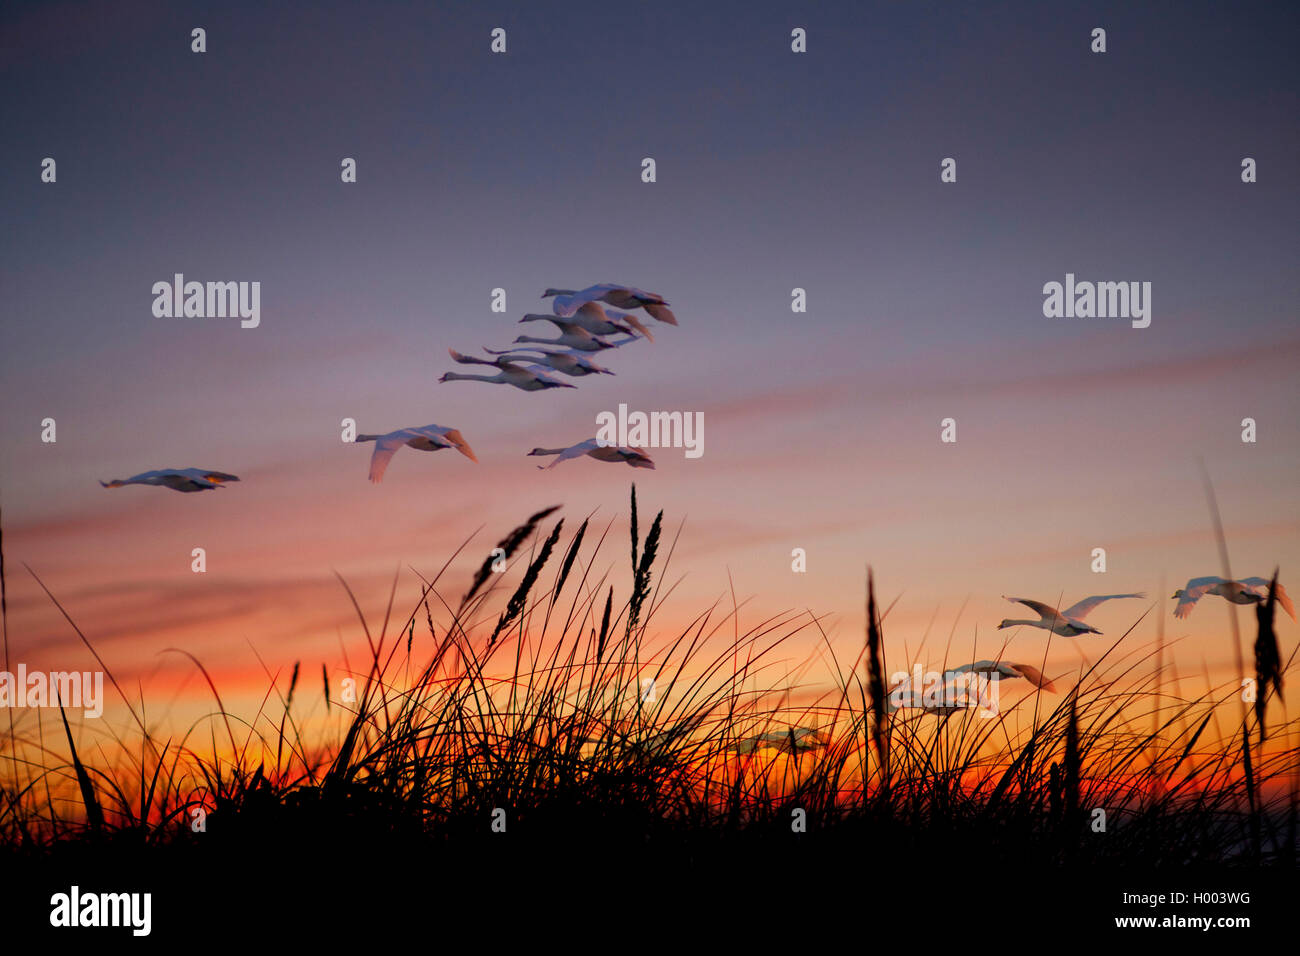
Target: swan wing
pixel 1077 611
pixel 1193 591
pixel 1045 611
pixel 575 451
pixel 458 441
pixel 661 313
pixel 565 305
pixel 1259 586
pixel 636 323
pixel 385 448
pixel 1030 673
pixel 208 474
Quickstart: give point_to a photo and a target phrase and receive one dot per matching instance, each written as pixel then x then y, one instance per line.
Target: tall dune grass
pixel 529 695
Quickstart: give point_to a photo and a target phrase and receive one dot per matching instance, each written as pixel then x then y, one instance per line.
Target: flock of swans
pixel 584 325
pixel 905 695
pixel 1069 623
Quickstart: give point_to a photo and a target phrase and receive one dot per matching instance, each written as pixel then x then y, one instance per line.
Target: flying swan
pixel 427 438
pixel 568 301
pixel 1067 623
pixel 177 479
pixel 1245 591
pixel 593 449
pixel 530 378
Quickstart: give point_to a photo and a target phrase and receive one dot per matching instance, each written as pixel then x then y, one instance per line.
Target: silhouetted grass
pixel 544 715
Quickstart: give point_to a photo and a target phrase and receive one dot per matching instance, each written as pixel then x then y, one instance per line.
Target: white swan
pixel 568 362
pixel 530 378
pixel 593 449
pixel 1067 623
pixel 426 438
pixel 1008 670
pixel 1245 591
pixel 793 740
pixel 1003 669
pixel 567 301
pixel 178 479
pixel 597 321
pixel 571 335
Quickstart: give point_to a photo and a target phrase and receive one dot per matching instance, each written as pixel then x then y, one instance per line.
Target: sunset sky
pixel 522 171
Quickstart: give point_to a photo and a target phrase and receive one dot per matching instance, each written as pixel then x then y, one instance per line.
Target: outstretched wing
pixel 983 667
pixel 636 457
pixel 144 478
pixel 626 340
pixel 1285 600
pixel 385 448
pixel 632 291
pixel 217 475
pixel 661 313
pixel 1032 674
pixel 516 356
pixel 191 479
pixel 454 436
pixel 563 324
pixel 566 305
pixel 574 451
pixel 1193 591
pixel 1078 611
pixel 541 373
pixel 185 481
pixel 1259 586
pixel 634 322
pixel 1046 611
pixel 472 359
pixel 447 436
